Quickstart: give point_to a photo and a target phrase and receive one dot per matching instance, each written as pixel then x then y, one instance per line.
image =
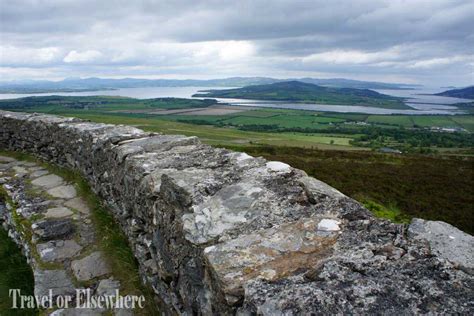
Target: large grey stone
pixel 55 280
pixel 48 181
pixel 5 159
pixel 53 229
pixel 63 192
pixel 58 212
pixel 92 266
pixel 57 250
pixel 446 241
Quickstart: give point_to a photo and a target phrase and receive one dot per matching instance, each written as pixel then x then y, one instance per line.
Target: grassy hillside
pixel 295 91
pixel 100 103
pixel 280 127
pixel 465 93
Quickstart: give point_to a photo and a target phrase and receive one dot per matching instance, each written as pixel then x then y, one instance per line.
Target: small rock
pixel 90 267
pixel 20 170
pixel 63 192
pixel 78 204
pixel 108 287
pixel 278 166
pixel 330 225
pixel 39 173
pixel 58 212
pixel 48 181
pixel 58 250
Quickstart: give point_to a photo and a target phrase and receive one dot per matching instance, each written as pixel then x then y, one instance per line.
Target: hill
pixel 464 93
pixel 92 84
pixel 296 91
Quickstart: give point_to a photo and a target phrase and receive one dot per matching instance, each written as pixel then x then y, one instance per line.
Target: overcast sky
pixel 429 42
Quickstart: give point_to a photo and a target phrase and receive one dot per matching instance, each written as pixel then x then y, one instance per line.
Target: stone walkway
pixel 53 227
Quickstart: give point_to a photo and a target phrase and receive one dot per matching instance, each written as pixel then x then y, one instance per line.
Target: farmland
pixel 337 148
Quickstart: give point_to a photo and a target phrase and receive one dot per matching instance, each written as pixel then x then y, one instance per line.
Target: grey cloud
pixel 168 37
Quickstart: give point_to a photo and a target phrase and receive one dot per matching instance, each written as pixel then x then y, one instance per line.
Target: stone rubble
pixel 221 232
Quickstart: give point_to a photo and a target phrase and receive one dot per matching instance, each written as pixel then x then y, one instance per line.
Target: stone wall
pixel 221 232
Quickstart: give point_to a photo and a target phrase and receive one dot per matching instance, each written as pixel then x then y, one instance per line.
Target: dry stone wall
pixel 221 232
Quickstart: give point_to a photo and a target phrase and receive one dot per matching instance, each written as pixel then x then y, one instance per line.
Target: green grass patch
pixel 399 120
pixel 389 212
pixel 466 121
pixel 434 120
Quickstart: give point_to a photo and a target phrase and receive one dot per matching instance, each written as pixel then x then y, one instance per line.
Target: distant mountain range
pixel 464 93
pixel 93 84
pixel 302 92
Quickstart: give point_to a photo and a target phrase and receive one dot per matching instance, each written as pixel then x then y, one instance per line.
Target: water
pixel 138 93
pixel 417 99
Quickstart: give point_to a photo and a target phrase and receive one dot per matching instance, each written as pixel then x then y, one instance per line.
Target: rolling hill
pixel 464 93
pixel 91 84
pixel 296 91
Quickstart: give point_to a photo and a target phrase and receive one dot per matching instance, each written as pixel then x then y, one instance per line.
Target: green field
pixel 265 126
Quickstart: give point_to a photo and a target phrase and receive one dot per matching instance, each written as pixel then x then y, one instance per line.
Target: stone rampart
pixel 221 232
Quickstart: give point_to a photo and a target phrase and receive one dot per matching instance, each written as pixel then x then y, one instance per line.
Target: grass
pixel 465 121
pixel 15 273
pixel 439 121
pixel 224 136
pixel 390 212
pixel 403 120
pixel 276 127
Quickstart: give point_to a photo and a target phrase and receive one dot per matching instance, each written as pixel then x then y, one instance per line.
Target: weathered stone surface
pixel 446 241
pixel 53 229
pixel 57 250
pixel 48 181
pixel 56 280
pixel 63 192
pixel 79 205
pixel 92 266
pixel 108 287
pixel 58 212
pixel 220 232
pixel 39 173
pixel 5 159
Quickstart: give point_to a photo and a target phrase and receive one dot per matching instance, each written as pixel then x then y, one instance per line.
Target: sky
pixel 428 42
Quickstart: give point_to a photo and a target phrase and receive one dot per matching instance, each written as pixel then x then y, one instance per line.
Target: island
pixel 464 93
pixel 301 92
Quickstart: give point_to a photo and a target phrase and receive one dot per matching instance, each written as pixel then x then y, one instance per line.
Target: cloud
pixel 15 56
pixel 355 39
pixel 82 57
